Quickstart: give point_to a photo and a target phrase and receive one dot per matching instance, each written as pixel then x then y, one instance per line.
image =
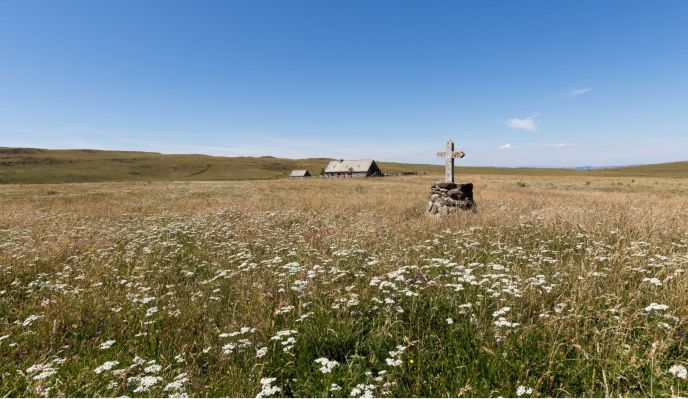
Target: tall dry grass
pixel 555 287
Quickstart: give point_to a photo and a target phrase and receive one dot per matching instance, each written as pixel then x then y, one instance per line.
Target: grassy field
pixel 557 286
pixel 23 165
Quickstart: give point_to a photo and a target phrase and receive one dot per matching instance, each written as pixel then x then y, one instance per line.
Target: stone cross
pixel 449 154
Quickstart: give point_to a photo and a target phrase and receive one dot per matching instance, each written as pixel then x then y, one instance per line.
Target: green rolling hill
pixel 31 165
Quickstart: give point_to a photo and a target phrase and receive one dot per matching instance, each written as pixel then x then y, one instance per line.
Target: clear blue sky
pixel 516 83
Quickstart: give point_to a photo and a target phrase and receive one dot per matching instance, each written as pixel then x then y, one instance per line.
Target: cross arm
pixel 453 154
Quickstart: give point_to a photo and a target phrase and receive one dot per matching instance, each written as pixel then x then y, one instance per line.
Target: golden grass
pixel 568 256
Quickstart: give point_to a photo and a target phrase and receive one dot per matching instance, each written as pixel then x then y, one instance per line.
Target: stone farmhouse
pixel 299 174
pixel 345 169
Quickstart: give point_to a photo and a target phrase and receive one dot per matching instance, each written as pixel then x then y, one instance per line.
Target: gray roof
pixel 342 166
pixel 298 173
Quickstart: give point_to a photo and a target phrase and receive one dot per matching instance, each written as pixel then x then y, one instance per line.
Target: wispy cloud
pixel 578 92
pixel 534 146
pixel 523 124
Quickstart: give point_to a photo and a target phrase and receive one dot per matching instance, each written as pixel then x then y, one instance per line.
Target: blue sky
pixel 514 83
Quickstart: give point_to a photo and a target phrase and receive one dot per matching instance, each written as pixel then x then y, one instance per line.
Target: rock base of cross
pixel 448 198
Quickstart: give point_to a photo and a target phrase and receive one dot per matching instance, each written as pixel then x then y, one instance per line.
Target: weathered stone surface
pixel 446 185
pixel 447 198
pixel 457 194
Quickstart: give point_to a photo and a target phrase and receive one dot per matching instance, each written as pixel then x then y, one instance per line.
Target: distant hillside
pixel 30 165
pixel 669 169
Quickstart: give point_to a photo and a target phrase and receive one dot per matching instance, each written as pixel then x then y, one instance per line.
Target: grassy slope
pixel 670 169
pixel 18 165
pixel 82 265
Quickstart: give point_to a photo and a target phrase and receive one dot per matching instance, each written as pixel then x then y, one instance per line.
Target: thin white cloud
pixel 523 124
pixel 533 146
pixel 578 92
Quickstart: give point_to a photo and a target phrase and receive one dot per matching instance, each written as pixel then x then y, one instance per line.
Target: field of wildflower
pixel 556 286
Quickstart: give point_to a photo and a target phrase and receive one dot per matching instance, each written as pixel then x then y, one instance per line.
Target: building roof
pixel 299 173
pixel 343 166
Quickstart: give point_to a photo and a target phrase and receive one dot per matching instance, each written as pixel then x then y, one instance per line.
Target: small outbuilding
pixel 361 168
pixel 299 174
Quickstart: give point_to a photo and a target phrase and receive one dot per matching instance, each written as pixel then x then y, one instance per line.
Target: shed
pixel 360 168
pixel 299 174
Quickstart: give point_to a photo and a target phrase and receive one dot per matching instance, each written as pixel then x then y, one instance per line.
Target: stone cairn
pixel 446 198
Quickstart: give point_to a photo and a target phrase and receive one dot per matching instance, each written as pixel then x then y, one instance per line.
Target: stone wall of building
pixel 446 198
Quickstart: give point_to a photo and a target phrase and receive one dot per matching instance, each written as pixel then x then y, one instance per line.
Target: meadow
pixel 569 285
pixel 42 166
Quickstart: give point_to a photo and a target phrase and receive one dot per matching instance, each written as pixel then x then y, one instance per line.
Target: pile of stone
pixel 446 198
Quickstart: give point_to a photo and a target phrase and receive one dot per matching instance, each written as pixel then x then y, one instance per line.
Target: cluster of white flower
pixel 107 344
pixel 239 344
pixel 285 337
pixel 106 366
pixel 522 390
pixel 45 370
pixel 261 352
pixel 655 306
pixel 501 311
pixel 284 310
pixel 176 387
pixel 151 311
pixel 395 356
pixel 29 320
pixel 678 371
pixel 266 388
pixel 362 391
pixel 653 280
pixel 153 368
pixel 326 365
pixel 501 320
pixel 144 383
